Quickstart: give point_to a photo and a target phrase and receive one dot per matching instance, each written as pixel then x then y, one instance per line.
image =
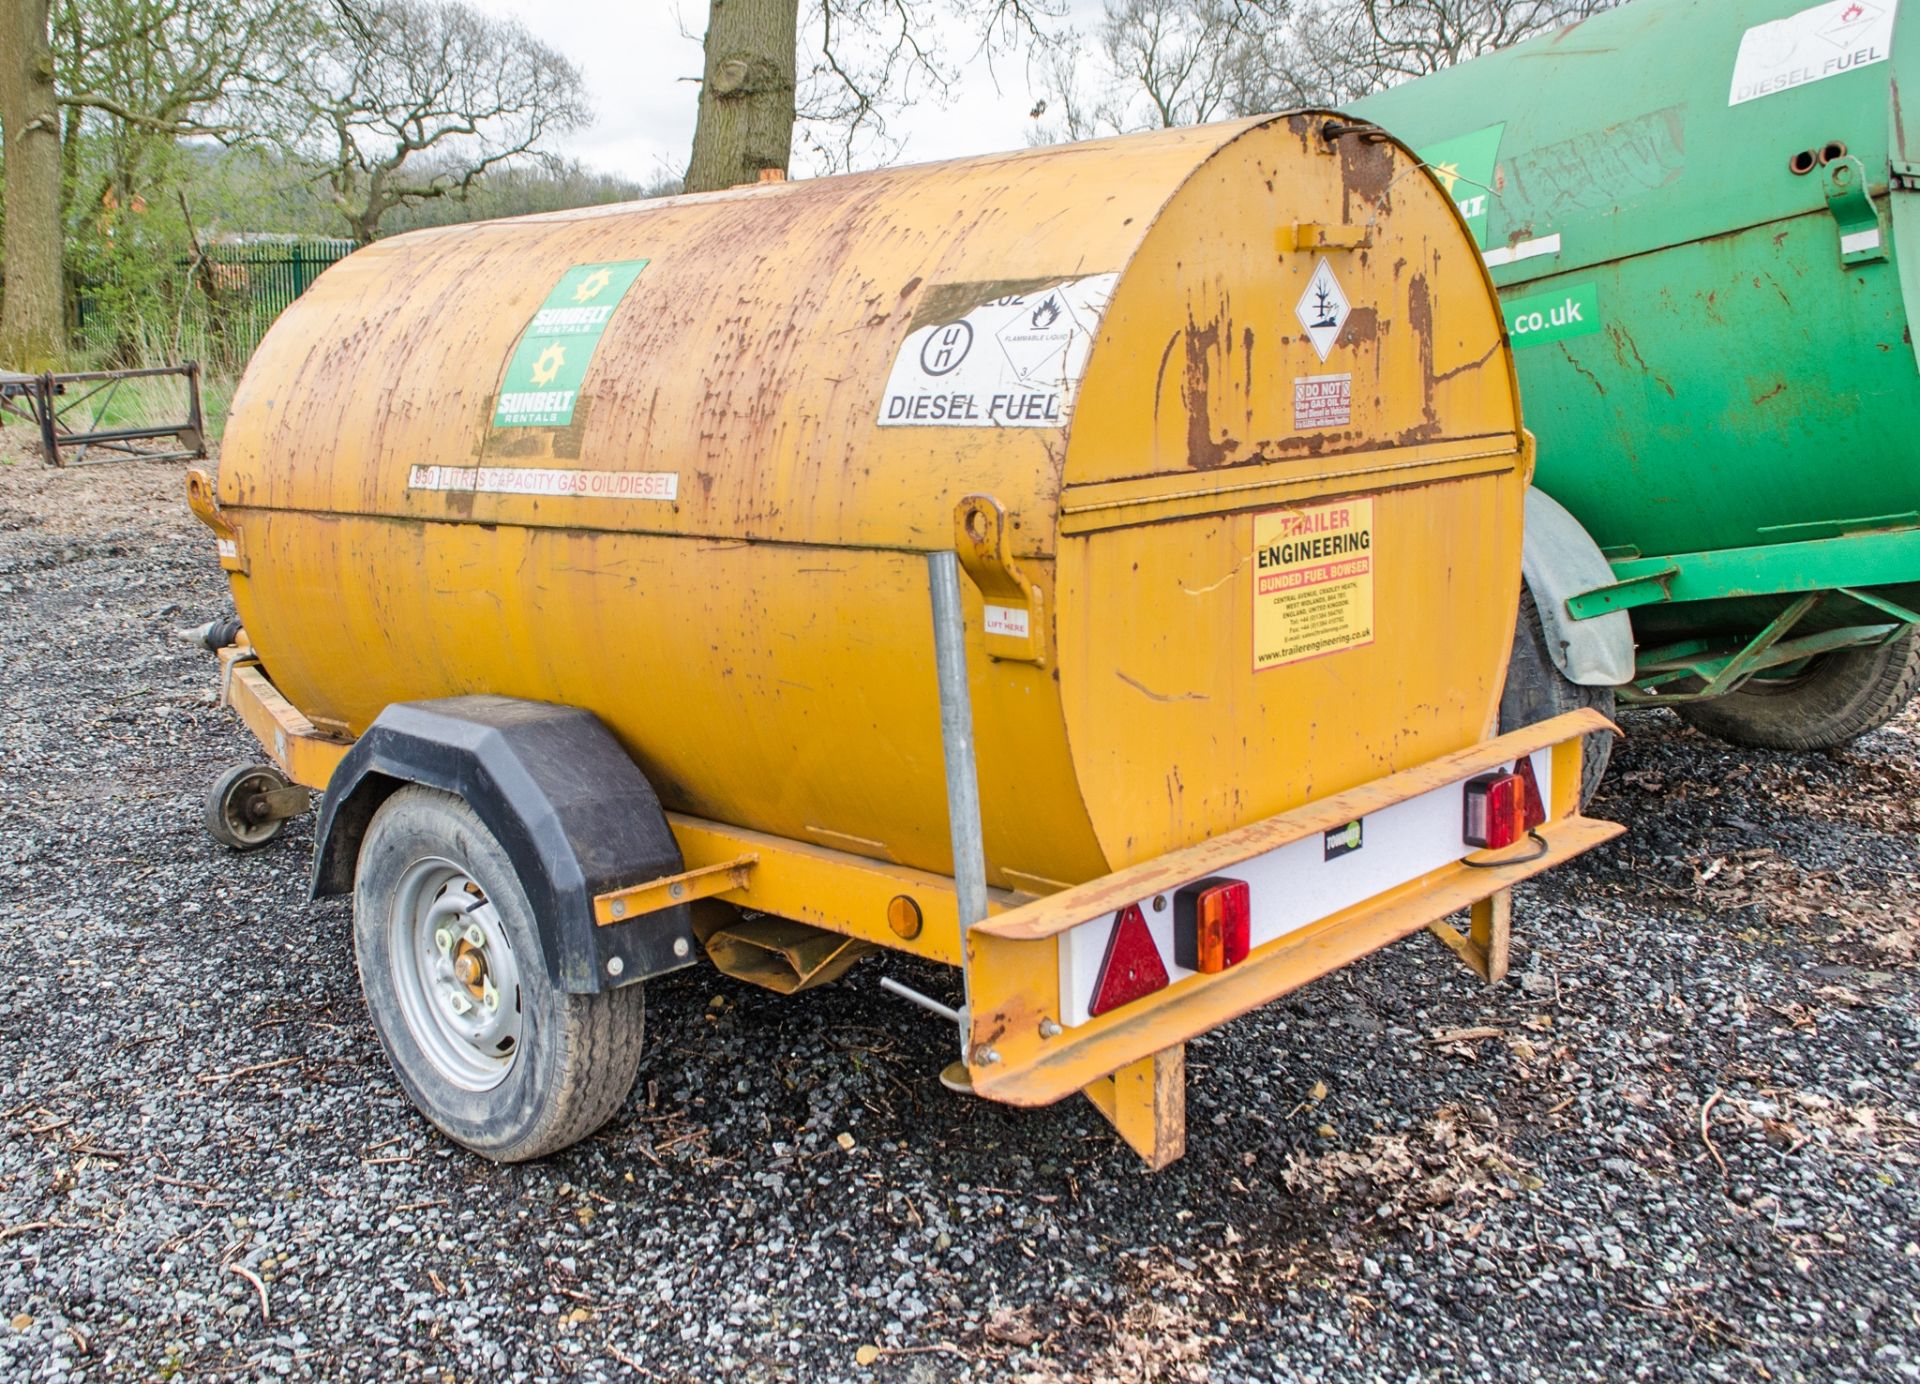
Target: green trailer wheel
pixel 1834 699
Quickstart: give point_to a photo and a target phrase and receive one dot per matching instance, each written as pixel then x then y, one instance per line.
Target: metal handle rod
pixel 956 738
pixel 928 1002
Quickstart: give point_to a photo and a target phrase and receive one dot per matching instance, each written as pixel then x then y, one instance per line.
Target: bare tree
pixel 132 76
pixel 833 71
pixel 1339 50
pixel 31 323
pixel 412 100
pixel 1153 64
pixel 140 75
pixel 1178 62
pixel 747 93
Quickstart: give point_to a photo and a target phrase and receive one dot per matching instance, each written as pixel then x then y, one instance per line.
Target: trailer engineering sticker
pixel 1828 40
pixel 1313 582
pixel 549 362
pixel 1012 362
pixel 1557 316
pixel 548 480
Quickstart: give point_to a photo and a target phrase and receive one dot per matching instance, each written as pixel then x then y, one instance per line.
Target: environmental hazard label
pixel 543 378
pixel 1010 362
pixel 1313 582
pixel 1323 309
pixel 1322 401
pixel 1828 40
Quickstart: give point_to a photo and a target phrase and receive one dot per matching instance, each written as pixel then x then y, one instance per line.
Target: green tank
pixel 1704 220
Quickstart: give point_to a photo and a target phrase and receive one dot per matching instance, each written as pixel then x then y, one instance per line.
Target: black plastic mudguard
pixel 574 813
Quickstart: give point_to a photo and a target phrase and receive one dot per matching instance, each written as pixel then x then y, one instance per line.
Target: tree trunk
pixel 747 93
pixel 31 326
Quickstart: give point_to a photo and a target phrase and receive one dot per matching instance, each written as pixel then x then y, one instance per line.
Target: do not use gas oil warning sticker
pixel 1312 582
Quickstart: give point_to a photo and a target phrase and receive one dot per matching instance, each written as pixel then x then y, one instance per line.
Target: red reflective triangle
pixel 1132 967
pixel 1536 806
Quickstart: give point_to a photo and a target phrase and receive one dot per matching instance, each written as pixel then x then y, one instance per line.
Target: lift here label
pixel 1541 318
pixel 1013 362
pixel 1312 582
pixel 544 375
pixel 1828 40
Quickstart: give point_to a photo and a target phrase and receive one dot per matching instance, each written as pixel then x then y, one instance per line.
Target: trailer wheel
pixel 235 810
pixel 1537 691
pixel 486 1046
pixel 1837 698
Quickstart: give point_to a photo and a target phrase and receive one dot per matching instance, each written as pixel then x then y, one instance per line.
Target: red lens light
pixel 1132 967
pixel 1496 811
pixel 1212 925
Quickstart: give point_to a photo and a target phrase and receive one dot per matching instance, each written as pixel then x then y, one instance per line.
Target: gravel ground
pixel 1679 1143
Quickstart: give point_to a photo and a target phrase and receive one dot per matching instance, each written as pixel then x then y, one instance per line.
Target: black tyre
pixel 1538 691
pixel 235 813
pixel 450 962
pixel 1837 698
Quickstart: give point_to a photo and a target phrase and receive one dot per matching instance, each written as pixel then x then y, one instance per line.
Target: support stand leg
pixel 1147 1102
pixel 1488 940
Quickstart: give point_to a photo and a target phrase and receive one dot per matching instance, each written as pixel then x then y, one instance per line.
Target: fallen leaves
pixel 1406 1176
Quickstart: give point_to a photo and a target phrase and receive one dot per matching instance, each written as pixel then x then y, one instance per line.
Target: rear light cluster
pixel 1502 808
pixel 1212 930
pixel 1212 925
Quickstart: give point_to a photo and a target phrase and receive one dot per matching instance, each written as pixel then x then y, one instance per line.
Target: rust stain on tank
pixel 949 302
pixel 1420 321
pixel 1362 328
pixel 1366 175
pixel 1202 344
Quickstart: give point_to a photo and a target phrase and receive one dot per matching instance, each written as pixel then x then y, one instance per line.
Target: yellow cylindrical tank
pixel 1221 420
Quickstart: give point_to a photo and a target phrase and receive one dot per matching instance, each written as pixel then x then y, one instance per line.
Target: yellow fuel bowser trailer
pixel 1091 567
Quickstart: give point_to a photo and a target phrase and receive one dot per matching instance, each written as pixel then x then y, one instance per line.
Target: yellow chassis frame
pixel 1129 1062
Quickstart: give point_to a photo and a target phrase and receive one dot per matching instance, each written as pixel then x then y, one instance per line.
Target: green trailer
pixel 1704 219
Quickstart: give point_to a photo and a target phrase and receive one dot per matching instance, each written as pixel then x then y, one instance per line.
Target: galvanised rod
pixel 956 738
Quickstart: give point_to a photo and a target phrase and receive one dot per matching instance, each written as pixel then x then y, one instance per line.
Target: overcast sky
pixel 634 57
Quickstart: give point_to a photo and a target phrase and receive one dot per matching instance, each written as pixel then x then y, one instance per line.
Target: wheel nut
pixel 443 939
pixel 475 937
pixel 490 996
pixel 459 1003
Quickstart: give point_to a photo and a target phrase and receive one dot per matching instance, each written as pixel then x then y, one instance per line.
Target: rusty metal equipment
pixel 50 403
pixel 974 558
pixel 1702 218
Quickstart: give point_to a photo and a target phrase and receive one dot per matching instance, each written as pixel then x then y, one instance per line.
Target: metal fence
pixel 238 292
pixel 249 285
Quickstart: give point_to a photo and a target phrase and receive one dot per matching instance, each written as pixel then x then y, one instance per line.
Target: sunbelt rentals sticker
pixel 1465 167
pixel 543 378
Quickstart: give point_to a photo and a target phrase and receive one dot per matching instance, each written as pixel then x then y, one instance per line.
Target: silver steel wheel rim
pixel 455 974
